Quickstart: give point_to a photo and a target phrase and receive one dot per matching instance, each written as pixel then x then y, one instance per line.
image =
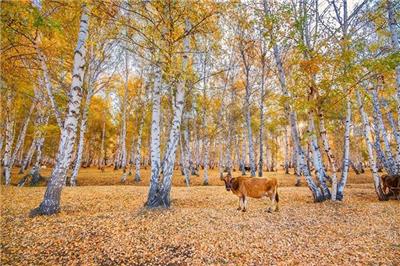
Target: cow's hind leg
pixel 274 198
pixel 244 204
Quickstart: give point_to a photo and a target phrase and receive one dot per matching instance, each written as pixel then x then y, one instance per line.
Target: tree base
pixel 44 210
pixel 160 200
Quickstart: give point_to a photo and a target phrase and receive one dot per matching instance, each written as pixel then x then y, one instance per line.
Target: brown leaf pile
pixel 107 225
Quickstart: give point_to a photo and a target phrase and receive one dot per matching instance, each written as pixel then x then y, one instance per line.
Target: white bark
pixel 138 156
pixel 206 162
pixel 48 86
pixel 155 136
pixel 346 153
pixel 368 140
pixel 123 130
pixel 395 48
pixel 247 114
pixel 316 155
pixel 328 151
pixel 292 119
pixel 51 201
pixel 391 165
pixel 286 152
pixel 9 138
pixel 395 130
pixel 22 134
pixel 28 157
pixel 162 197
pixel 102 150
pixel 82 132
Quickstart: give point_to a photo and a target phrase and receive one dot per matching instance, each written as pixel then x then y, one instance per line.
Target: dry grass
pixel 107 225
pixel 94 177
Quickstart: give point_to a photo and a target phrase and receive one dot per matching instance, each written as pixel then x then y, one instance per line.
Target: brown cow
pixel 244 187
pixel 391 185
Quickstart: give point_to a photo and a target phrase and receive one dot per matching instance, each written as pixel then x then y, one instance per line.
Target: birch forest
pixel 125 126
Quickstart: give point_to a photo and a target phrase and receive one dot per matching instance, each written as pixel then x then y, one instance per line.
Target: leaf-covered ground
pixel 107 225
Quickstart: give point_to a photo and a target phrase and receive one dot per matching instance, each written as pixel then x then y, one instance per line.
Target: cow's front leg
pixel 240 204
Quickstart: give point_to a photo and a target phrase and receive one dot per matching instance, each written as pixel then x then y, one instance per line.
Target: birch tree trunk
pixel 138 156
pixel 388 156
pixel 103 136
pixel 395 130
pixel 206 162
pixel 155 138
pixel 317 195
pixel 22 134
pixel 39 136
pixel 9 139
pixel 243 160
pixel 51 201
pixel 261 134
pixel 82 132
pixel 248 115
pixel 28 157
pixel 123 130
pixel 396 48
pixel 161 196
pixel 49 88
pixel 371 159
pixel 346 153
pixel 286 151
pixel 186 154
pixel 328 151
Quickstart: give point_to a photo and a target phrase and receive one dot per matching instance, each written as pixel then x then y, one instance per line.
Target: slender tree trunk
pixel 28 157
pixel 380 129
pixel 248 124
pixel 317 195
pixel 138 156
pixel 51 201
pixel 243 156
pixel 48 86
pixel 268 158
pixel 328 151
pixel 186 154
pixel 346 153
pixel 123 130
pixel 395 130
pixel 7 157
pixel 82 132
pixel 102 153
pixel 396 48
pixel 155 138
pixel 206 162
pixel 367 136
pixel 162 197
pixel 261 134
pixel 22 134
pixel 286 163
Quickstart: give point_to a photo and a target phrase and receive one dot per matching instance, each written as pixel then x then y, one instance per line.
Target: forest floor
pixel 102 224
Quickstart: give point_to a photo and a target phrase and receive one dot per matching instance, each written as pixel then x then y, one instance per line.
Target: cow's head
pixel 228 181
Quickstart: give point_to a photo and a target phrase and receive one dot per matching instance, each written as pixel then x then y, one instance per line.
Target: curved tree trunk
pixel 9 139
pixel 51 201
pixel 82 132
pixel 161 196
pixel 22 134
pixel 367 136
pixel 328 151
